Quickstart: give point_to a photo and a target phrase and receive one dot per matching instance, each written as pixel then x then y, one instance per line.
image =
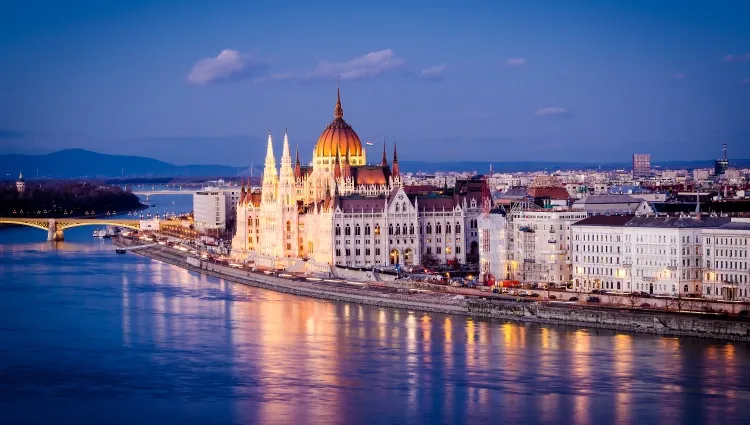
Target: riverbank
pixel 398 295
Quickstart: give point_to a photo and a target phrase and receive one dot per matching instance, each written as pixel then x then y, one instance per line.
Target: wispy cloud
pixel 678 75
pixel 551 111
pixel 229 65
pixel 516 62
pixel 434 73
pixel 737 58
pixel 279 76
pixel 367 66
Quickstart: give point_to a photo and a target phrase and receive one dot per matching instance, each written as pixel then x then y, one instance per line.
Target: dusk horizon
pixel 508 82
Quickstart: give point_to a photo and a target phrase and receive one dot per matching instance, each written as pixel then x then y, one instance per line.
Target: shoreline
pixel 402 297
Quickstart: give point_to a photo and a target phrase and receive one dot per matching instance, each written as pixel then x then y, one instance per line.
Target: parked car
pixel 552 297
pixel 534 295
pixel 592 299
pixel 573 299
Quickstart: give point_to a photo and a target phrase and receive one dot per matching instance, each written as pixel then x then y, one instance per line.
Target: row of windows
pixel 727 252
pixel 728 264
pixel 728 241
pixel 394 229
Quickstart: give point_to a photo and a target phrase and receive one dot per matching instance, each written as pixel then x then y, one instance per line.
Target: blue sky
pixel 202 82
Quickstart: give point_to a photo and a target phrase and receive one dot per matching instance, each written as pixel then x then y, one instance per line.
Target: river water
pixel 91 337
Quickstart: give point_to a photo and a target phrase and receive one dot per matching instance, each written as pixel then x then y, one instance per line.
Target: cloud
pixel 367 66
pixel 229 65
pixel 737 58
pixel 279 76
pixel 551 111
pixel 516 62
pixel 678 76
pixel 434 73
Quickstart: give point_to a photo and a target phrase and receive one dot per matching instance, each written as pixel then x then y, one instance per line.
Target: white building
pixel 656 255
pixel 612 204
pixel 209 209
pixel 726 267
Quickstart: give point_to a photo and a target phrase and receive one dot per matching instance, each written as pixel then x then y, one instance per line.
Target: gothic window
pixel 429 250
pixel 448 228
pixel 396 207
pixel 338 230
pixel 390 229
pixel 377 229
pixel 398 230
pixel 347 230
pixel 338 252
pixel 438 228
pixel 348 252
pixel 367 230
pixel 357 231
pixel 367 251
pixel 458 249
pixel 377 251
pixel 411 229
pixel 429 228
pixel 404 229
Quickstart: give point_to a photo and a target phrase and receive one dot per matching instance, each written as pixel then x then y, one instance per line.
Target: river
pixel 91 337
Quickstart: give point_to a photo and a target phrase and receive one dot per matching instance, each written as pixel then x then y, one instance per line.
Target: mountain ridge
pixel 78 163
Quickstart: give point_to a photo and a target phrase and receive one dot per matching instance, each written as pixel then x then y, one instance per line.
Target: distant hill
pixel 71 163
pixel 78 163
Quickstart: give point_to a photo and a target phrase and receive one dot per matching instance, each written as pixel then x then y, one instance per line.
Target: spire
pixel 20 175
pixel 337 167
pixel 384 163
pixel 270 165
pixel 286 159
pixel 338 112
pixel 347 169
pixel 297 165
pixel 394 170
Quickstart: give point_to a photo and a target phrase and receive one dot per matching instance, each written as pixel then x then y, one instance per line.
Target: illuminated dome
pixel 338 136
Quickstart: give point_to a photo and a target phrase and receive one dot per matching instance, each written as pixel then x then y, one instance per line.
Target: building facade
pixel 726 267
pixel 641 165
pixel 209 209
pixel 340 210
pixel 654 255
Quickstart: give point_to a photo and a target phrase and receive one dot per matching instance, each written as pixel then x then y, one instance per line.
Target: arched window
pixel 338 230
pixel 686 288
pixel 396 207
pixel 398 230
pixel 447 228
pixel 367 230
pixel 377 229
pixel 347 230
pixel 390 229
pixel 429 228
pixel 411 229
pixel 438 228
pixel 357 230
pixel 458 227
pixel 403 229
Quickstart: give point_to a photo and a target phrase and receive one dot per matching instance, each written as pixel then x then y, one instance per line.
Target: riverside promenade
pixel 411 297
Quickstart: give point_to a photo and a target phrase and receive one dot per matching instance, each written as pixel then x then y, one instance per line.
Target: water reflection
pixel 82 324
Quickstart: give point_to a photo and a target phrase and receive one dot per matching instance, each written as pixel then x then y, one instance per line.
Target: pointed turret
pixel 270 164
pixel 384 163
pixel 337 166
pixel 297 165
pixel 394 169
pixel 286 160
pixel 338 111
pixel 346 168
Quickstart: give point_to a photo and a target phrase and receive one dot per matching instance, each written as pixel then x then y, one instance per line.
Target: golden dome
pixel 338 136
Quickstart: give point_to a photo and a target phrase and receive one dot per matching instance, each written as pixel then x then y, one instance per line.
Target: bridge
pixel 55 226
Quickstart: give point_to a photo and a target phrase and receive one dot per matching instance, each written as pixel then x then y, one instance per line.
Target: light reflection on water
pixel 87 333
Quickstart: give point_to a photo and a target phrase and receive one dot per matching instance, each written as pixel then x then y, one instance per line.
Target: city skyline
pixel 579 82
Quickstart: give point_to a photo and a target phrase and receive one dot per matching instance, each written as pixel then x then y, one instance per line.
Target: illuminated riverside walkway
pixel 55 226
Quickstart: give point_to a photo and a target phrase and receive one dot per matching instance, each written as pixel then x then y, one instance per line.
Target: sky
pixel 197 82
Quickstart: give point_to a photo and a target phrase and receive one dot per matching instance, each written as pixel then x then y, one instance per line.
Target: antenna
pixel 725 151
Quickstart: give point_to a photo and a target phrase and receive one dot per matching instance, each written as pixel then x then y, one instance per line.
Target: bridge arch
pixel 40 224
pixel 130 225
